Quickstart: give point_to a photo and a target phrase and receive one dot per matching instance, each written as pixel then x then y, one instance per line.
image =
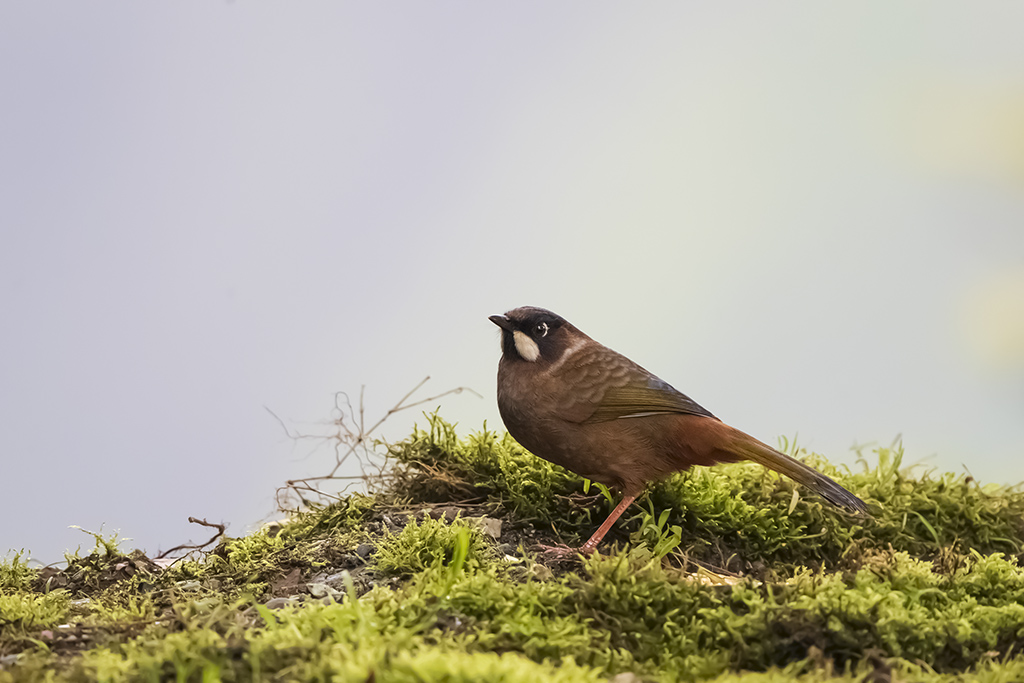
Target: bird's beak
pixel 502 322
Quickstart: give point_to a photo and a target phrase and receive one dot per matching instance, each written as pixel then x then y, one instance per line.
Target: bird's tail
pixel 752 449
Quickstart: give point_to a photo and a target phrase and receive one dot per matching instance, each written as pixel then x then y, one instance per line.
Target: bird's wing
pixel 645 398
pixel 609 386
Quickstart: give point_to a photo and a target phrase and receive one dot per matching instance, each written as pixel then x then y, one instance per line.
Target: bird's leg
pixel 592 542
pixel 564 552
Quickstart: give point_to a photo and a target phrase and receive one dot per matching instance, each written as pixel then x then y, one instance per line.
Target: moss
pixel 928 589
pixel 25 611
pixel 430 542
pixel 15 574
pixel 309 541
pixel 440 467
pixel 734 516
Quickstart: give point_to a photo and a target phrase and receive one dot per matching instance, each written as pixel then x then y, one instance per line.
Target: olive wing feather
pixel 650 398
pixel 609 386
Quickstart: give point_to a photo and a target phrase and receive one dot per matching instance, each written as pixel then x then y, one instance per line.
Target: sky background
pixel 807 216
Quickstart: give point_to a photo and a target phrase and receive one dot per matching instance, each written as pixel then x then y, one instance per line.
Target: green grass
pixel 725 574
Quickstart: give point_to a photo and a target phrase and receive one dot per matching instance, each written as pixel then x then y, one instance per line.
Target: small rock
pixel 165 562
pixel 626 677
pixel 542 573
pixel 322 590
pixel 349 561
pixel 318 590
pixel 278 603
pixel 363 550
pixel 448 513
pixel 287 584
pixel 273 528
pixel 489 525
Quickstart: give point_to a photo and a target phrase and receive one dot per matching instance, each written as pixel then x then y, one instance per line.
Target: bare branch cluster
pixel 351 440
pixel 191 547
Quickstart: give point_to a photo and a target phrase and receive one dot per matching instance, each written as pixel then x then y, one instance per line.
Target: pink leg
pixel 592 542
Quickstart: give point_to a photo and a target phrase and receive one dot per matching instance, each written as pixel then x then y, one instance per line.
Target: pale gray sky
pixel 807 216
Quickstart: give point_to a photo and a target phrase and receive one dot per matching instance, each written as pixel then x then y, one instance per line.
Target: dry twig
pixel 350 437
pixel 220 532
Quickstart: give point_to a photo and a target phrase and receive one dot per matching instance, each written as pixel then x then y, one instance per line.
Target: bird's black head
pixel 534 334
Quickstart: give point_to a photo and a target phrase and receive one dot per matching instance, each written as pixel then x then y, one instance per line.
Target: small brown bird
pixel 578 404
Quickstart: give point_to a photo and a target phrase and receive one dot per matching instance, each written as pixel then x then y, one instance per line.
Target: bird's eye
pixel 541 329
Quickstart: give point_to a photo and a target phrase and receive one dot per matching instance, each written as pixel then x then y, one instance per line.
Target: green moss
pixel 440 467
pixel 25 610
pixel 430 542
pixel 120 606
pixel 343 642
pixel 929 589
pixel 730 516
pixel 309 540
pixel 15 574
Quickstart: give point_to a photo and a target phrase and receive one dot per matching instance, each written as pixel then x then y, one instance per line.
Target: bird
pixel 577 403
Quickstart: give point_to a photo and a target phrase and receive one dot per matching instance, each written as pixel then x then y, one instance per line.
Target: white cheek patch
pixel 526 347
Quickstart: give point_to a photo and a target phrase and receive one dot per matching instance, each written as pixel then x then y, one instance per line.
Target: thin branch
pixel 202 522
pixel 351 437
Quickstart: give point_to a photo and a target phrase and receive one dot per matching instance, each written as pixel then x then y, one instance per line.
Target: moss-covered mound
pixel 723 574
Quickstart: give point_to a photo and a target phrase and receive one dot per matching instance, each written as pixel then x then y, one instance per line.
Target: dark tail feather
pixel 752 449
